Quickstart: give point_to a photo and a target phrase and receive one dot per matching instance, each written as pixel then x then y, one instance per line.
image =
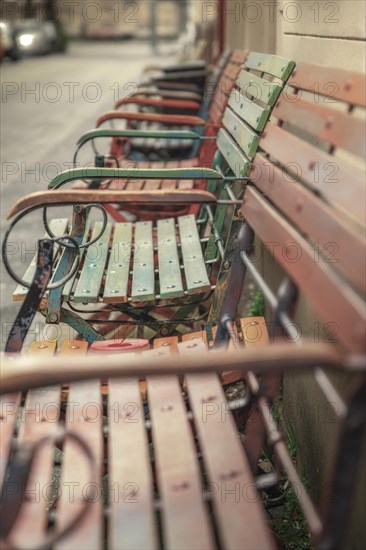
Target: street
pixel 46 104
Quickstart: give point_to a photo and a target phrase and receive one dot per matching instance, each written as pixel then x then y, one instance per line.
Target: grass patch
pixel 256 308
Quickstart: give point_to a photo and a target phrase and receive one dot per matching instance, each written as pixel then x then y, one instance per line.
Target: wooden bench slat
pixel 254 114
pixel 240 517
pixel 143 278
pixel 170 276
pixel 270 64
pixel 340 241
pixel 312 274
pixel 39 419
pixel 331 82
pixel 339 129
pixel 244 136
pixel 335 180
pixel 58 228
pixel 235 158
pixel 118 270
pixel 132 516
pixel 185 522
pixel 91 276
pixel 197 280
pixel 260 89
pixel 84 418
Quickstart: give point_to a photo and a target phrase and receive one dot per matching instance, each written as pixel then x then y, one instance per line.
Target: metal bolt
pixel 78 209
pixel 254 323
pixel 42 346
pixel 226 265
pixel 348 85
pixel 329 122
pixel 75 347
pixel 52 318
pixel 167 344
pixel 312 165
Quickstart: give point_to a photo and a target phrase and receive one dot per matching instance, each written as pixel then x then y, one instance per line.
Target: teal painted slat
pixel 91 276
pixel 143 278
pixel 235 158
pixel 118 270
pixel 170 276
pixel 197 280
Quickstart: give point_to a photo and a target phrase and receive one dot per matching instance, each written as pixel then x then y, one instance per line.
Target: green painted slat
pixel 68 286
pixel 195 270
pixel 251 112
pixel 58 228
pixel 91 276
pixel 118 270
pixel 270 64
pixel 261 89
pixel 235 158
pixel 242 133
pixel 170 276
pixel 133 173
pixel 143 278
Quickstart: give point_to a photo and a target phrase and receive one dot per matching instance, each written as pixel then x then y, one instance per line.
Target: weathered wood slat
pixel 240 516
pixel 170 277
pixel 333 83
pixel 335 127
pixel 251 112
pixel 235 158
pixel 118 270
pixel 311 273
pixel 258 88
pixel 91 276
pixel 197 280
pixel 244 136
pixel 143 281
pixel 185 522
pixel 131 493
pixel 334 179
pixel 58 228
pixel 39 419
pixel 270 64
pixel 84 418
pixel 340 242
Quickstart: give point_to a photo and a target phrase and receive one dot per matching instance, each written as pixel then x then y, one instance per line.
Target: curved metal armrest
pixel 134 172
pixel 176 120
pixel 172 103
pixel 43 199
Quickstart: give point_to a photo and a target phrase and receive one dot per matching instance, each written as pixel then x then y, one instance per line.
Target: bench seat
pixel 173 465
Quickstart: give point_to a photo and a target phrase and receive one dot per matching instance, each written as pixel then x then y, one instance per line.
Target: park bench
pixel 174 264
pixel 149 442
pixel 182 476
pixel 209 112
pixel 206 144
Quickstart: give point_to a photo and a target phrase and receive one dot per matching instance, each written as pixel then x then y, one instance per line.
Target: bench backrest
pixel 306 197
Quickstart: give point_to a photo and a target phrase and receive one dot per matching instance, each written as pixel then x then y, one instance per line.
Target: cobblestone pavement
pixel 46 104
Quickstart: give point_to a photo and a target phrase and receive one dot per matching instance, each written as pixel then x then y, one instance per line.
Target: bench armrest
pixel 33 372
pixel 173 94
pixel 147 102
pixel 176 120
pixel 86 196
pixel 157 134
pixel 185 66
pixel 134 172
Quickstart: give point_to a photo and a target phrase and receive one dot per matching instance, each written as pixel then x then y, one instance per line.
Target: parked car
pixel 8 45
pixel 38 37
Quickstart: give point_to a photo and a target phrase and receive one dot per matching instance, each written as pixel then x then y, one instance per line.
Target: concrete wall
pixel 328 33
